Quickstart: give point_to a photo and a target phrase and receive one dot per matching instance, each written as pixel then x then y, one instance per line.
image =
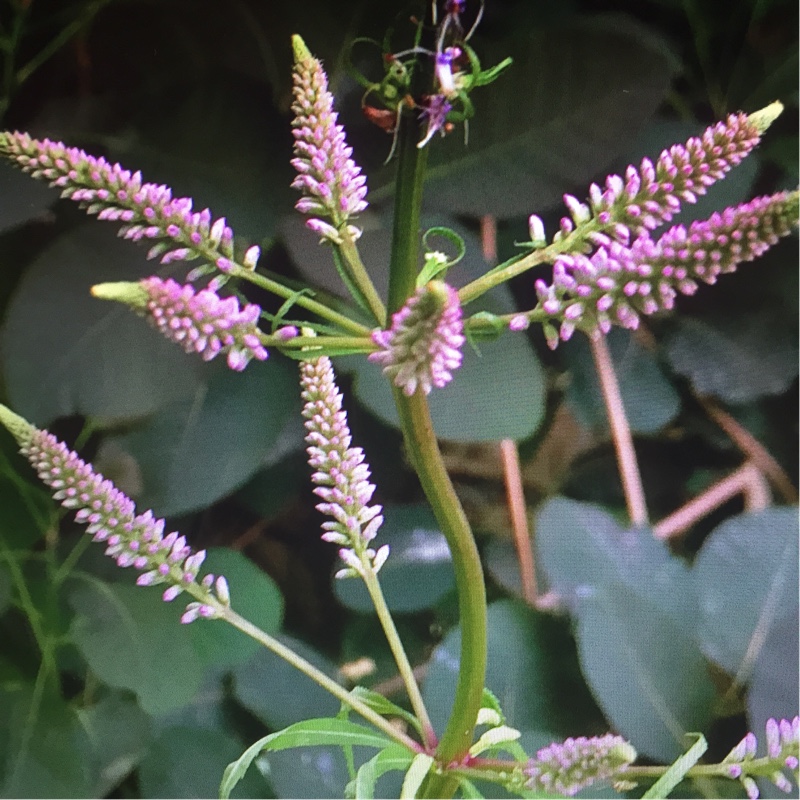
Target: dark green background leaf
pixel 523 671
pixel 746 577
pixel 132 639
pixel 264 682
pixel 736 359
pixel 119 733
pixel 189 762
pixel 66 352
pixel 645 670
pixel 196 451
pixel 44 744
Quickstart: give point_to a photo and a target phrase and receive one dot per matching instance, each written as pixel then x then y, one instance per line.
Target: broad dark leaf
pixel 746 576
pixel 132 639
pixel 557 117
pixel 66 352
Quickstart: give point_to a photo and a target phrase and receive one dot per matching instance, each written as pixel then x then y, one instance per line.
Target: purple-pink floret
pixel 203 322
pixel 650 195
pixel 133 540
pixel 435 110
pixel 148 211
pixel 341 475
pixel 619 283
pixel 331 182
pixel 423 345
pixel 568 767
pixel 782 740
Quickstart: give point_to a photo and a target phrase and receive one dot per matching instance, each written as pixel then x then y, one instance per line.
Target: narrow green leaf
pixel 675 774
pixel 495 736
pixel 384 706
pixel 310 733
pixel 420 767
pixel 391 759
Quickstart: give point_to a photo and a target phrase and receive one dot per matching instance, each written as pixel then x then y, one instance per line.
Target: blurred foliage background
pixel 103 693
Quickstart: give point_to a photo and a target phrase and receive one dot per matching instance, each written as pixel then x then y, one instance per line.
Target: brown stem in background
pixel 489 238
pixel 747 479
pixel 519 519
pixel 512 474
pixel 620 433
pixel 753 449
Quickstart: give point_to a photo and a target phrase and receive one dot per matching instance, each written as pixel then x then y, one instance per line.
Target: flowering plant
pixel 630 593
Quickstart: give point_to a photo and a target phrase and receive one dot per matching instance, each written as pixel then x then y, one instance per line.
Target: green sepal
pixel 18 427
pixel 132 293
pixel 309 733
pixel 764 117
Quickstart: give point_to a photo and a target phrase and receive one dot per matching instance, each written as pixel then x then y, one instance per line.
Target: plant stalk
pixel 426 458
pixel 399 653
pixel 319 677
pixel 620 433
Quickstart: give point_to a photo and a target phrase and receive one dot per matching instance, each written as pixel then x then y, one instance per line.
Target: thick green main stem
pixel 407 214
pixel 426 458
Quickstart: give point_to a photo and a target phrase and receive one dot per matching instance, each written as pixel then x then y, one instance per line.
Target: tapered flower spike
pixel 200 321
pixel 148 211
pixel 576 763
pixel 782 740
pixel 650 195
pixel 618 284
pixel 423 345
pixel 110 516
pixel 332 184
pixel 340 474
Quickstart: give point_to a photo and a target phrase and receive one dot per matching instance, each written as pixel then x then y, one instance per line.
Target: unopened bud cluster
pixel 200 321
pixel 132 540
pixel 332 185
pixel 148 211
pixel 423 345
pixel 340 473
pixel 568 767
pixel 782 738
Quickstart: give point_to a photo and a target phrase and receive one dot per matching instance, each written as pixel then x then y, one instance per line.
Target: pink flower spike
pixel 683 171
pixel 147 210
pixel 331 182
pixel 200 321
pixel 423 345
pixel 618 283
pixel 566 768
pixel 340 472
pixel 103 507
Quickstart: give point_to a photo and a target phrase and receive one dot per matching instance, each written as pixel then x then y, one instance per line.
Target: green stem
pixel 423 450
pixel 320 678
pixel 399 653
pixel 407 214
pixel 358 344
pixel 320 309
pixel 504 272
pixel 360 276
pixel 519 264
